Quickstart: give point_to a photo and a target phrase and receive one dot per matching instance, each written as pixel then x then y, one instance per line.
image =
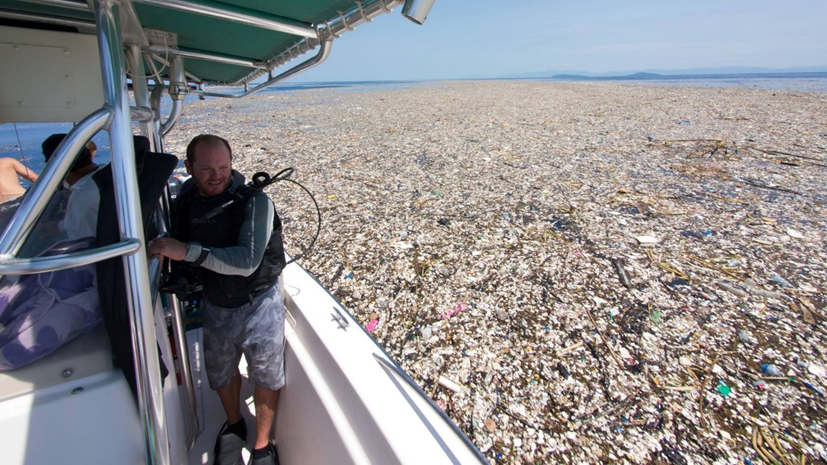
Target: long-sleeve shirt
pixel 243 258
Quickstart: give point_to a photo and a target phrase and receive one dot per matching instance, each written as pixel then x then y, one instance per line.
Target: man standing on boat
pixel 232 236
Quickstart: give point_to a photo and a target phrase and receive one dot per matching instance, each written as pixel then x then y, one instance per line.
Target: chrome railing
pixel 125 181
pixel 19 266
pixel 184 369
pixel 321 56
pixel 174 312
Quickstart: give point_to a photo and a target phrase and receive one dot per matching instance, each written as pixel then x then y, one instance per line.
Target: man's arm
pixel 241 259
pixel 246 256
pixel 23 171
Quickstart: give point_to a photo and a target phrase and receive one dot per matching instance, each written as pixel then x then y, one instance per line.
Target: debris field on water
pixel 574 272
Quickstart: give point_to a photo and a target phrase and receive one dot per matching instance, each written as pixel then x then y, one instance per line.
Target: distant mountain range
pixel 656 73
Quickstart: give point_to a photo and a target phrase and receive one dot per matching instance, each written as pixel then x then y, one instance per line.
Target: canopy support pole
pixel 136 273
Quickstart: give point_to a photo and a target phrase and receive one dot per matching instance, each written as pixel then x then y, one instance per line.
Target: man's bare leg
pixel 231 400
pixel 266 401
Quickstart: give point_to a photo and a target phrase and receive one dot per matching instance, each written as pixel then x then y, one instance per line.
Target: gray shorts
pixel 256 330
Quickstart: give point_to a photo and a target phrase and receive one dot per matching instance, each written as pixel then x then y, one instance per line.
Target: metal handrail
pixel 86 26
pixel 324 52
pixel 71 4
pixel 179 331
pixel 179 334
pixel 405 377
pixel 154 266
pixel 334 28
pixel 20 266
pixel 125 180
pixel 177 82
pixel 205 56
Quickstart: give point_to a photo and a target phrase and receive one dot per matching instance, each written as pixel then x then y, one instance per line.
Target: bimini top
pixel 231 42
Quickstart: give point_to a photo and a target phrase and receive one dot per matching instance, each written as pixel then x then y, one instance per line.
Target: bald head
pixel 206 141
pixel 210 162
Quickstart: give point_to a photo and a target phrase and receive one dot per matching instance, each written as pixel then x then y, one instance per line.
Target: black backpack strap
pixel 240 198
pixel 180 213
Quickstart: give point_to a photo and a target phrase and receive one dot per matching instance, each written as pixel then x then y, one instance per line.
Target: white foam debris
pixel 647 240
pixel 793 233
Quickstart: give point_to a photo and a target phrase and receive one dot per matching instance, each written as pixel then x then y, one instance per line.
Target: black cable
pixel 261 180
pixel 318 223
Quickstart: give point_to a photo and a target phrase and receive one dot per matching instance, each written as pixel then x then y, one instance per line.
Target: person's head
pixel 49 146
pixel 210 162
pixel 92 148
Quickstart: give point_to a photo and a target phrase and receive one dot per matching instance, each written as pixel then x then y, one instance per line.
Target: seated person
pixel 10 187
pixel 41 312
pixel 72 210
pixel 82 207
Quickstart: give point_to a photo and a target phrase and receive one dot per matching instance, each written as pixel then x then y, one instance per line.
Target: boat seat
pixel 154 169
pixel 84 356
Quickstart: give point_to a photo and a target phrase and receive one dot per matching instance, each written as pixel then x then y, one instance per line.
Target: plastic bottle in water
pixel 770 369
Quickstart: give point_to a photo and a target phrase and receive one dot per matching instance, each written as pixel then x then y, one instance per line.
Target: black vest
pixel 216 222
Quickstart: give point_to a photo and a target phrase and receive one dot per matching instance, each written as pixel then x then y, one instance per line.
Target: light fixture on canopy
pixel 417 10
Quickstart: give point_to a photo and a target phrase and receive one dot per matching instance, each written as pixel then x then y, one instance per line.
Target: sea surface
pixel 22 141
pixel 798 82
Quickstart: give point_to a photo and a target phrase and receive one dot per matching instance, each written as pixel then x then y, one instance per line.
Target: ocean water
pixel 345 86
pixel 22 141
pixel 798 82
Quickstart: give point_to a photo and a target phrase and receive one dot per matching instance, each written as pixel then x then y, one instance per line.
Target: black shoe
pixel 272 457
pixel 228 446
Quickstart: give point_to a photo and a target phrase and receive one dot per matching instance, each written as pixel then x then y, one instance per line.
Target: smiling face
pixel 211 168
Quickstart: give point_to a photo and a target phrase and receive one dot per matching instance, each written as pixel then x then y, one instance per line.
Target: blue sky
pixel 495 38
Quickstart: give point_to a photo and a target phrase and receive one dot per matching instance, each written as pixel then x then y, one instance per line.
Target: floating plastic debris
pixel 794 233
pixel 817 370
pixel 814 389
pixel 771 370
pixel 780 280
pixel 427 332
pixel 536 211
pixel 619 266
pixel 460 307
pixel 647 240
pixel 448 384
pixel 806 287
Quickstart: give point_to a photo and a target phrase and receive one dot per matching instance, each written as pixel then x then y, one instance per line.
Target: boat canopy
pixel 232 42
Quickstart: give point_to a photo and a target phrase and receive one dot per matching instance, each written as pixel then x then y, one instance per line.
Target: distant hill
pixel 655 73
pixel 627 76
